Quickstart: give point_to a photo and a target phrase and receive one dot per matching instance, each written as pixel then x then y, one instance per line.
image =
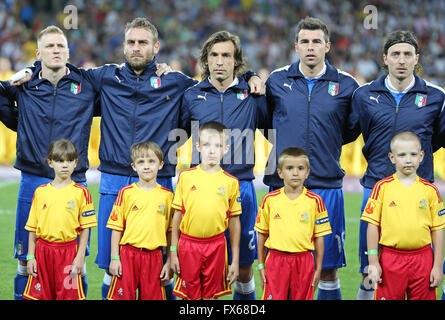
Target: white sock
pixel 21 269
pixel 107 279
pixel 363 294
pixel 245 288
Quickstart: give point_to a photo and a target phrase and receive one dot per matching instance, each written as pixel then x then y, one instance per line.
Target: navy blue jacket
pixel 236 109
pixel 136 109
pixel 318 123
pixel 47 113
pixel 379 118
pixel 9 115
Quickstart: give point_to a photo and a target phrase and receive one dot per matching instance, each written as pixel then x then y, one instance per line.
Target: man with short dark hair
pixel 396 102
pixel 309 103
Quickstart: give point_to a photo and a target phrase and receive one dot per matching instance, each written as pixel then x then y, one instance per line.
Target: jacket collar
pixel 379 85
pixel 36 79
pixel 331 73
pixel 206 85
pixel 149 70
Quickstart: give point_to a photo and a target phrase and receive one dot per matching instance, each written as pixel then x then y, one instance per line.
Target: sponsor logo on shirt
pixel 370 208
pixel 392 204
pixel 277 216
pixel 321 221
pixel 88 213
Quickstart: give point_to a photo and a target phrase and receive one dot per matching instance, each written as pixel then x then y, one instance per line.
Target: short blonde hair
pixel 405 136
pixel 140 149
pixel 292 152
pixel 49 30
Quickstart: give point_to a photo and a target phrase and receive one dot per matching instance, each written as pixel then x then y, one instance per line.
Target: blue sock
pixel 329 290
pixel 106 285
pixel 20 282
pixel 169 290
pixel 443 292
pixel 244 291
pixel 84 284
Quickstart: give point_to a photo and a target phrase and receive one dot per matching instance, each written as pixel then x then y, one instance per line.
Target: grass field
pixel 349 276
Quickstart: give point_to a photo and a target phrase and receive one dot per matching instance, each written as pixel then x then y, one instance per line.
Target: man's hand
pixel 257 85
pixel 163 69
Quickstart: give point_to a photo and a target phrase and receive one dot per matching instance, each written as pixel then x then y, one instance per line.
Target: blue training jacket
pixel 47 113
pixel 136 109
pixel 238 110
pixel 317 122
pixel 377 115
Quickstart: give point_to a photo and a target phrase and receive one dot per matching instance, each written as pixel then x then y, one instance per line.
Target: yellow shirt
pixel 143 216
pixel 206 201
pixel 292 224
pixel 406 216
pixel 58 215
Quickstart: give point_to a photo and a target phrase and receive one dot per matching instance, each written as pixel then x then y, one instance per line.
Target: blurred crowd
pixel 266 28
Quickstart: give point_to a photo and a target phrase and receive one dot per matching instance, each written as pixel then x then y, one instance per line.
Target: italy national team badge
pixel 75 88
pixel 241 95
pixel 420 100
pixel 333 88
pixel 155 82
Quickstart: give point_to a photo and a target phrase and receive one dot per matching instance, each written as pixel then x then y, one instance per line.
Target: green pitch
pixel 349 276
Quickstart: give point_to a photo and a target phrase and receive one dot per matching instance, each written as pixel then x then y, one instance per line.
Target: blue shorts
pixel 248 241
pixel 28 184
pixel 363 245
pixel 334 244
pixel 110 185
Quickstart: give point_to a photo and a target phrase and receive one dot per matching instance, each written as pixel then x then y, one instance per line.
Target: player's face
pixel 401 60
pixel 139 48
pixel 63 169
pixel 212 147
pixel 53 51
pixel 221 61
pixel 406 156
pixel 147 166
pixel 312 47
pixel 294 171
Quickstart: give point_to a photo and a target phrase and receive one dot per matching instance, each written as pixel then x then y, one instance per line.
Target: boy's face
pixel 212 147
pixel 406 156
pixel 63 168
pixel 294 171
pixel 147 166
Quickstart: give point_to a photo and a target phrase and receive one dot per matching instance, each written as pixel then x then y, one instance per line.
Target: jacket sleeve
pixel 439 130
pixel 352 130
pixel 9 114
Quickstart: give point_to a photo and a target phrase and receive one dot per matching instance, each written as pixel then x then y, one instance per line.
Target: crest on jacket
pixel 333 88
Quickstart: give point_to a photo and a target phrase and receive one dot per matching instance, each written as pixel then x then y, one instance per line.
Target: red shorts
pixel 53 281
pixel 405 272
pixel 203 263
pixel 289 275
pixel 141 269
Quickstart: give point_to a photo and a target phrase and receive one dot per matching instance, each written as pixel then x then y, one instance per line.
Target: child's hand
pixel 115 268
pixel 166 273
pixel 77 265
pixel 174 265
pixel 436 277
pixel 375 273
pixel 31 267
pixel 233 273
pixel 316 278
pixel 263 276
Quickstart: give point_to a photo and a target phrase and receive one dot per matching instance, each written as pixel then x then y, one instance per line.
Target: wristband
pixel 260 266
pixel 373 252
pixel 30 257
pixel 118 257
pixel 173 248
